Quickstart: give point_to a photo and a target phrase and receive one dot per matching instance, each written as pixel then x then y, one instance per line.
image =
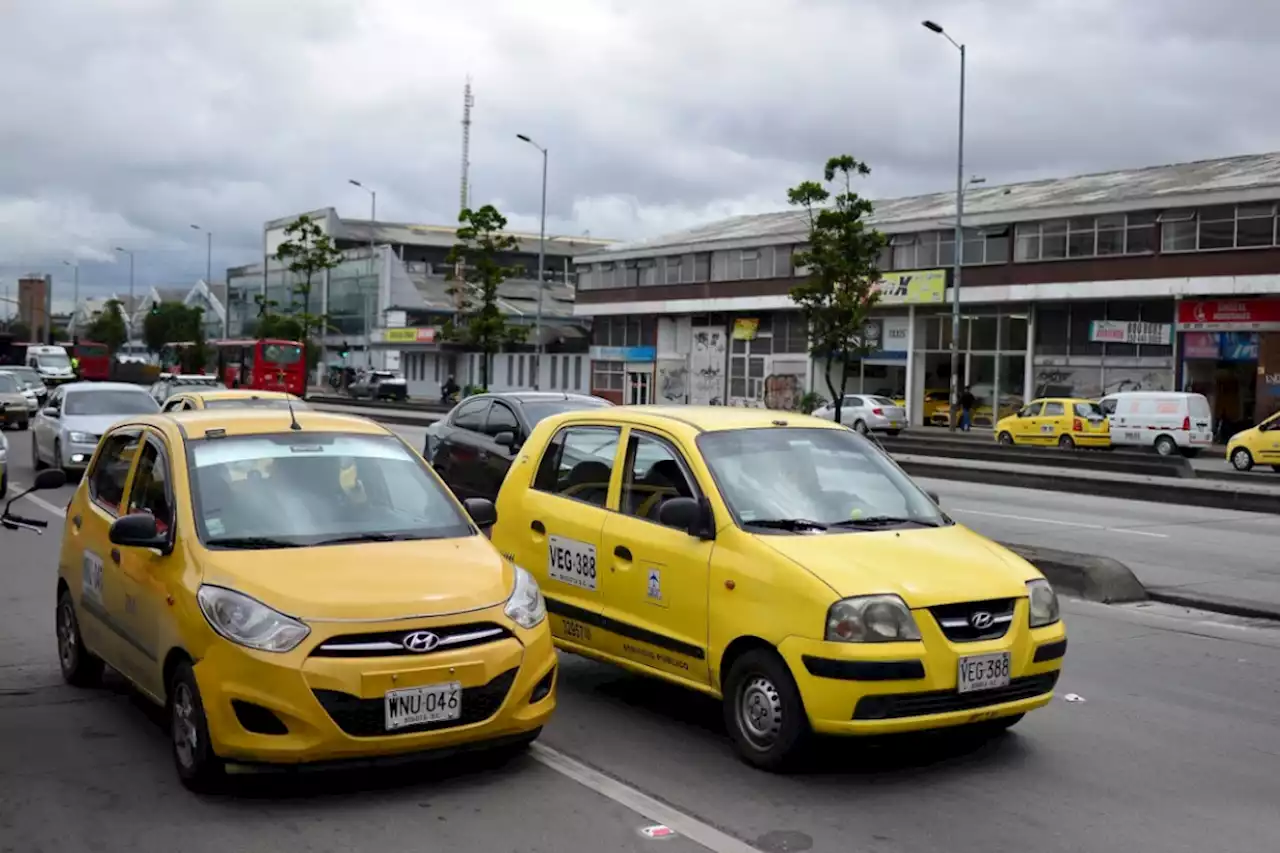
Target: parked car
pixel 380 385
pixel 1258 445
pixel 867 413
pixel 33 388
pixel 66 432
pixel 1067 422
pixel 171 383
pixel 1168 421
pixel 473 446
pixel 14 412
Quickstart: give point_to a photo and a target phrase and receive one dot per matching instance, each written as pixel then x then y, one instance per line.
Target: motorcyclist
pixel 448 391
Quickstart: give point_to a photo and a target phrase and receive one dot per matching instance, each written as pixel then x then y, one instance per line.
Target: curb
pixel 1214 603
pixel 1085 576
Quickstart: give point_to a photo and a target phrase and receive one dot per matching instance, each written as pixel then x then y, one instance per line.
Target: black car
pixel 472 446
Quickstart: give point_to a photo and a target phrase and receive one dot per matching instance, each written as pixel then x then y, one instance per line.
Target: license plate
pixel 983 672
pixel 571 562
pixel 414 706
pixel 893 424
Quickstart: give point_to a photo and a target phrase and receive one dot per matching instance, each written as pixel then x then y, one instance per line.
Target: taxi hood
pixel 368 581
pixel 926 566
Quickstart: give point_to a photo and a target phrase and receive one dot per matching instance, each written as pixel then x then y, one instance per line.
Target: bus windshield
pixel 282 353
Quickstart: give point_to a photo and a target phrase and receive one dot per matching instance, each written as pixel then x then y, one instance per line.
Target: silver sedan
pixel 867 413
pixel 66 431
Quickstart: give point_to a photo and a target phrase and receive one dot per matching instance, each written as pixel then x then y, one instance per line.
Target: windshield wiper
pixel 788 523
pixel 884 521
pixel 250 543
pixel 370 537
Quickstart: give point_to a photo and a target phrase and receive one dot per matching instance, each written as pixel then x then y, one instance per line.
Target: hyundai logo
pixel 981 619
pixel 420 641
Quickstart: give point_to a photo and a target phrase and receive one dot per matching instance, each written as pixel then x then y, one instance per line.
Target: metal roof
pixel 1199 182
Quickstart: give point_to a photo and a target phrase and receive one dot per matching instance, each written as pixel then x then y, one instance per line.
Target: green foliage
pixel 810 401
pixel 108 327
pixel 306 251
pixel 479 322
pixel 170 322
pixel 837 297
pixel 20 331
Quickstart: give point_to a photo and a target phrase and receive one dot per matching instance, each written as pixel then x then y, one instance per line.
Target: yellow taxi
pixel 200 397
pixel 780 563
pixel 1258 445
pixel 937 407
pixel 217 561
pixel 1067 422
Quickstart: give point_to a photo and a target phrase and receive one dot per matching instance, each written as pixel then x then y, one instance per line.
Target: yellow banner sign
pixel 745 328
pixel 409 336
pixel 919 287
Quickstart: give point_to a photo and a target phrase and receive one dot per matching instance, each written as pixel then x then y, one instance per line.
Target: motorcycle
pixel 51 479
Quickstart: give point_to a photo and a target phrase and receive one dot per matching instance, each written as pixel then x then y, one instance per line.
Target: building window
pixel 553 372
pixel 577 373
pixel 1255 225
pixel 789 333
pixel 782 262
pixel 1178 231
pixel 1084 237
pixel 606 376
pixel 702 267
pixel 1245 226
pixel 750 263
pixel 671 267
pixel 623 331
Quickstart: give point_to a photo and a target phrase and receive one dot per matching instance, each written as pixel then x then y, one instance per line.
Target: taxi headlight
pixel 526 606
pixel 1043 601
pixel 871 619
pixel 248 622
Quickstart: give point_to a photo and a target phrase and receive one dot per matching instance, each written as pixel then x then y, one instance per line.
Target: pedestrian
pixel 966 409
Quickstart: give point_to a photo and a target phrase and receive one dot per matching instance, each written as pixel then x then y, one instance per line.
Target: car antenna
pixel 293 419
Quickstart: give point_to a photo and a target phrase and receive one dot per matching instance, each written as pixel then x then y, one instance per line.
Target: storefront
pixel 623 375
pixel 1229 350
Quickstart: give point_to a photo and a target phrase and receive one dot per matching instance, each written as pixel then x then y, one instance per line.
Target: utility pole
pixel 542 262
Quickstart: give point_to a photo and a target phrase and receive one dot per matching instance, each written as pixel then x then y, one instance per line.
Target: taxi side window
pixel 175 405
pixel 578 464
pixel 1031 410
pixel 1054 409
pixel 111 470
pixel 654 474
pixel 150 490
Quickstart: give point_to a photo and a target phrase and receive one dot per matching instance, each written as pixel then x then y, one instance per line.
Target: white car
pixel 867 413
pixel 1168 421
pixel 66 431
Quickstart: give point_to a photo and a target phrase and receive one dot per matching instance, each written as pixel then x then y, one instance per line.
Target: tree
pixel 109 327
pixel 307 251
pixel 170 322
pixel 20 331
pixel 837 297
pixel 479 322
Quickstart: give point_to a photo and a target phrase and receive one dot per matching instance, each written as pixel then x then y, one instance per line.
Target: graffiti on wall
pixel 673 381
pixel 707 367
pixel 783 391
pixel 1094 381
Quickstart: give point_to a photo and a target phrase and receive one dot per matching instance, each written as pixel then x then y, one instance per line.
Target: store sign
pixel 1126 332
pixel 409 336
pixel 745 328
pixel 622 353
pixel 1220 346
pixel 921 287
pixel 1229 315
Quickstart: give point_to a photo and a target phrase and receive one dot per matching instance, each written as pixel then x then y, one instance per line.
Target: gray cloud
pixel 128 120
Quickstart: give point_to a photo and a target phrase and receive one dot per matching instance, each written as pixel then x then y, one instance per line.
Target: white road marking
pixel 668 815
pixel 1061 523
pixel 59 512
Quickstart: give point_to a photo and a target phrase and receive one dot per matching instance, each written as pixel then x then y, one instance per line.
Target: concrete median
pixel 1086 576
pixel 1116 461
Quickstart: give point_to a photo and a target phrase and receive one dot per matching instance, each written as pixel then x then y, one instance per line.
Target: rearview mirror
pixel 49 412
pixel 507 438
pixel 53 478
pixel 138 530
pixel 482 512
pixel 687 514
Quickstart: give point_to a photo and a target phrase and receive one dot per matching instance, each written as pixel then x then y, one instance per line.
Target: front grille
pixel 956 620
pixel 367 717
pixel 392 643
pixel 896 705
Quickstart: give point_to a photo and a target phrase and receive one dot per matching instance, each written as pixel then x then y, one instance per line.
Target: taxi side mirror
pixel 506 438
pixel 690 515
pixel 138 530
pixel 482 512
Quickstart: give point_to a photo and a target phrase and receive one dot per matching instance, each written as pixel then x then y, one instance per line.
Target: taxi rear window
pixel 1089 410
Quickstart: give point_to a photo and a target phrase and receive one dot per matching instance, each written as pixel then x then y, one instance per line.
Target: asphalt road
pixel 1173 748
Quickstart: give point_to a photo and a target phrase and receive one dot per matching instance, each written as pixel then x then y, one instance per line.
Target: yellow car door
pixel 1026 428
pixel 1053 421
pixel 655 591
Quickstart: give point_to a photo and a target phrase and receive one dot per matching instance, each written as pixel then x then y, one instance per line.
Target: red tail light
pixel 877 411
pixel 1186 423
pixel 1077 425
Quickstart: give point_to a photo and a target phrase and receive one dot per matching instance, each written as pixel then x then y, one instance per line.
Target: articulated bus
pixel 262 365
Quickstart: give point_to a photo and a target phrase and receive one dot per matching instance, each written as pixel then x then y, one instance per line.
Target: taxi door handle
pixel 115 555
pixel 538 527
pixel 622 552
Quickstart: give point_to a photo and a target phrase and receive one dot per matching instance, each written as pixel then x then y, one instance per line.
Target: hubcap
pixel 1241 459
pixel 760 712
pixel 185 737
pixel 66 636
pixel 862 428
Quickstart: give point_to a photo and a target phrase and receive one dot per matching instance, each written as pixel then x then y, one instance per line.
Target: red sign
pixel 1229 315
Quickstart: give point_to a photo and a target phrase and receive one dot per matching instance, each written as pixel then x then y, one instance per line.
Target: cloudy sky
pixel 125 122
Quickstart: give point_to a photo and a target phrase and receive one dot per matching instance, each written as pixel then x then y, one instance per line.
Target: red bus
pixel 94 360
pixel 269 364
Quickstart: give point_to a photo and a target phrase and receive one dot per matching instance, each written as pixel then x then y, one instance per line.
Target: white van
pixel 52 363
pixel 1169 421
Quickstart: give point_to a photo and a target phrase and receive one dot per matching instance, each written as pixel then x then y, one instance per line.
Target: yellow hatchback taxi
pixel 1067 422
pixel 284 613
pixel 1258 445
pixel 780 563
pixel 199 397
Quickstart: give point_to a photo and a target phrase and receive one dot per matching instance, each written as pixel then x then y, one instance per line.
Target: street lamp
pixel 368 319
pixel 959 238
pixel 542 260
pixel 208 279
pixel 129 313
pixel 75 297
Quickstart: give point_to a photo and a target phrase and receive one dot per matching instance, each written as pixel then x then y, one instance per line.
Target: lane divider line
pixel 656 810
pixel 57 512
pixel 1054 521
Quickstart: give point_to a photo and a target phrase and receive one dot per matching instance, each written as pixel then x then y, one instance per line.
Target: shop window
pixel 1053 330
pixel 606 375
pixel 983 333
pixel 789 333
pixel 1124 311
pixel 1082 315
pixel 1013 333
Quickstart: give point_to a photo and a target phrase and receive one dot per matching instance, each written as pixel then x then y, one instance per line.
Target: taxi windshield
pixel 308 489
pixel 808 480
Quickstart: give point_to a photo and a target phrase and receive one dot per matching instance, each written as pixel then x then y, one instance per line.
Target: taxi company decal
pixel 655 586
pixel 91 577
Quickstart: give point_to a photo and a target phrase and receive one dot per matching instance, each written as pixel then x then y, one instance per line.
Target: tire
pixel 199 769
pixel 37 463
pixel 892 432
pixel 1241 459
pixel 1006 439
pixel 57 457
pixel 22 427
pixel 861 427
pixel 764 713
pixel 4 484
pixel 1275 468
pixel 1166 446
pixel 1066 442
pixel 80 667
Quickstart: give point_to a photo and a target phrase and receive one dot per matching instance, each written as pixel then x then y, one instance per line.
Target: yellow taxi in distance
pixel 1065 421
pixel 780 563
pixel 218 560
pixel 1258 445
pixel 230 398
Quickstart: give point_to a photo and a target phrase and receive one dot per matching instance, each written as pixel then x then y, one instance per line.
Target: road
pixel 1174 748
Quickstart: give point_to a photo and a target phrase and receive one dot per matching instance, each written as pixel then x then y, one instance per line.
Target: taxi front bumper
pixel 299 708
pixel 885 688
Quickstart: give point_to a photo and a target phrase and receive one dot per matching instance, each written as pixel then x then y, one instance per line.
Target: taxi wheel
pixel 1006 439
pixel 1241 459
pixel 763 711
pixel 1067 443
pixel 80 667
pixel 198 768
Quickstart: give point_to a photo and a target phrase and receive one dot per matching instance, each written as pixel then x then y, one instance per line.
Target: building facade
pixel 1153 278
pixel 388 300
pixel 33 305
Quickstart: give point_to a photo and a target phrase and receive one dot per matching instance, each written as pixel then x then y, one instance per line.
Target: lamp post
pixel 959 238
pixel 75 296
pixel 208 279
pixel 129 313
pixel 542 260
pixel 364 305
